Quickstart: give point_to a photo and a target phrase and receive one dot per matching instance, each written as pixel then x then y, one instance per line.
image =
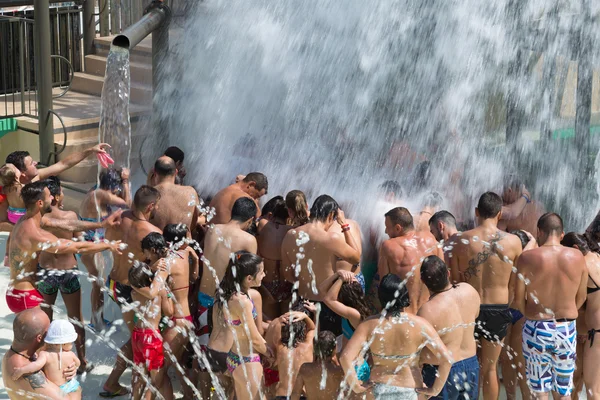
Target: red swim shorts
pixel 147 348
pixel 21 300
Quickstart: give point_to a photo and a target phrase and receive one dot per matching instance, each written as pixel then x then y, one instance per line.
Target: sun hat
pixel 60 331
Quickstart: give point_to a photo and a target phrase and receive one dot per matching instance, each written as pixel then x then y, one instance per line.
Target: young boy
pixel 146 339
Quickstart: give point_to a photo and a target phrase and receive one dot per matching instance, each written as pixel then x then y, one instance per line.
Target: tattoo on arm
pixel 36 380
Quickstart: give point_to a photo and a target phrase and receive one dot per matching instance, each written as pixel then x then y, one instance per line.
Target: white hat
pixel 60 331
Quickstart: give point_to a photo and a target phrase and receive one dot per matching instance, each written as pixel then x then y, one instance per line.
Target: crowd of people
pixel 282 302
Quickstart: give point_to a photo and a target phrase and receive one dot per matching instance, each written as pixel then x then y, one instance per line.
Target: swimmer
pixel 253 186
pixel 484 257
pixel 550 293
pixel 442 225
pixel 402 252
pixel 513 191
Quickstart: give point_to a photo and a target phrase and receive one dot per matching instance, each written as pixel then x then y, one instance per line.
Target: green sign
pixel 7 125
pixel 570 132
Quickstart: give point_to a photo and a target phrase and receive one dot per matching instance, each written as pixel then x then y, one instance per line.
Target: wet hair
pixel 145 196
pixel 242 264
pixel 550 223
pixel 298 334
pixel 26 327
pixel 53 185
pixel 433 199
pixel 110 179
pixel 434 274
pixel 296 201
pixel 270 205
pixel 391 187
pixel 393 295
pixel 175 153
pixel 443 216
pixel 259 179
pixel 489 205
pixel 325 346
pixel 400 216
pixel 522 236
pixel 33 192
pixel 17 158
pixel 175 232
pixel 280 212
pixel 165 166
pixel 140 276
pixel 592 234
pixel 352 295
pixel 243 209
pixel 156 243
pixel 573 239
pixel 323 207
pixel 7 176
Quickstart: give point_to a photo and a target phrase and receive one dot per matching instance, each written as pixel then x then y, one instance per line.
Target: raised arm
pixel 331 297
pixel 515 209
pixel 33 366
pixel 158 283
pixel 70 161
pixel 126 193
pixel 65 246
pixel 348 250
pixel 75 225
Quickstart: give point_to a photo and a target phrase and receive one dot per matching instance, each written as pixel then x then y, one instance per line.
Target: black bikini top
pixel 591 290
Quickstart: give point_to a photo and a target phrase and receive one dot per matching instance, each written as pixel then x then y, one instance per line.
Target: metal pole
pixel 43 69
pixel 160 50
pixel 89 27
pixel 22 45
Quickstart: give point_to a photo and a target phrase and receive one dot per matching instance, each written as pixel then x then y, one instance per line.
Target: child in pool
pixel 9 179
pixel 59 343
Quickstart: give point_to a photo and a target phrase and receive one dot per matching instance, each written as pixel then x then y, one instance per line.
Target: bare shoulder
pixel 469 291
pixel 254 295
pixel 70 215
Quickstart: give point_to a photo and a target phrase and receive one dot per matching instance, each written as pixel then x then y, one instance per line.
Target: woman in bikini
pixel 10 180
pixel 235 330
pixel 270 236
pixel 591 309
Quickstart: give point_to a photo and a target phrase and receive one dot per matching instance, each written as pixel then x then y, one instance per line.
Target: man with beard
pixel 29 240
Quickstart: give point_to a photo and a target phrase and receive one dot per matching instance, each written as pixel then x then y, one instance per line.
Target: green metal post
pixel 89 27
pixel 43 72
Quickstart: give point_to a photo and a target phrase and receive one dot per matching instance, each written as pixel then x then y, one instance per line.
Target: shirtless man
pixel 23 161
pixel 527 219
pixel 29 240
pixel 294 348
pixel 29 330
pixel 484 257
pixel 254 185
pixel 180 202
pixel 401 254
pixel 134 227
pixel 59 272
pixel 325 363
pixel 442 225
pixel 222 240
pixel 556 279
pixel 97 206
pixel 321 250
pixel 452 310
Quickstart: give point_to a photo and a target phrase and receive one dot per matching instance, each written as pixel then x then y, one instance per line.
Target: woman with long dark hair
pixel 235 330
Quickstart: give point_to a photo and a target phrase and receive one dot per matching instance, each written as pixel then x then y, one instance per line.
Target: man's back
pixel 178 206
pixel 312 377
pixel 223 203
pixel 452 314
pixel 219 243
pixel 59 261
pixel 294 357
pixel 131 231
pixel 484 258
pixel 553 275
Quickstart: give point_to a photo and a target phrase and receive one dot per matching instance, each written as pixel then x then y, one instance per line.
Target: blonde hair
pixel 8 177
pixel 296 202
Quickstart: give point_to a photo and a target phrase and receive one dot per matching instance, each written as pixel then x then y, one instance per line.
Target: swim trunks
pixel 118 292
pixel 493 322
pixel 21 300
pixel 550 350
pixel 93 235
pixel 147 347
pixel 205 303
pixel 516 315
pixel 70 386
pixel 15 214
pixel 382 391
pixel 51 281
pixel 462 382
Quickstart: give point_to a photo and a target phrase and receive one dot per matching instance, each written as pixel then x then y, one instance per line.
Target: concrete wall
pixel 19 140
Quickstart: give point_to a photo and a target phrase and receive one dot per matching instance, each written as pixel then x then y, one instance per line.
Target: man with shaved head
pixel 29 329
pixel 549 293
pixel 178 203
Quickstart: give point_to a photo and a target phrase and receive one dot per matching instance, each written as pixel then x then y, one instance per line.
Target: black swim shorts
pixel 50 281
pixel 493 322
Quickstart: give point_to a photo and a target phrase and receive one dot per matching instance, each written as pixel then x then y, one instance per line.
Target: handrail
pixel 72 74
pixel 64 145
pixel 12 18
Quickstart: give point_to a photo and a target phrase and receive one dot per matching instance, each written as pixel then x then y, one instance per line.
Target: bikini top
pixel 594 289
pixel 238 322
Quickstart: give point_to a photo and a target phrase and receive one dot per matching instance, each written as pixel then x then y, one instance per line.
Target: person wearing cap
pixel 30 330
pixel 59 343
